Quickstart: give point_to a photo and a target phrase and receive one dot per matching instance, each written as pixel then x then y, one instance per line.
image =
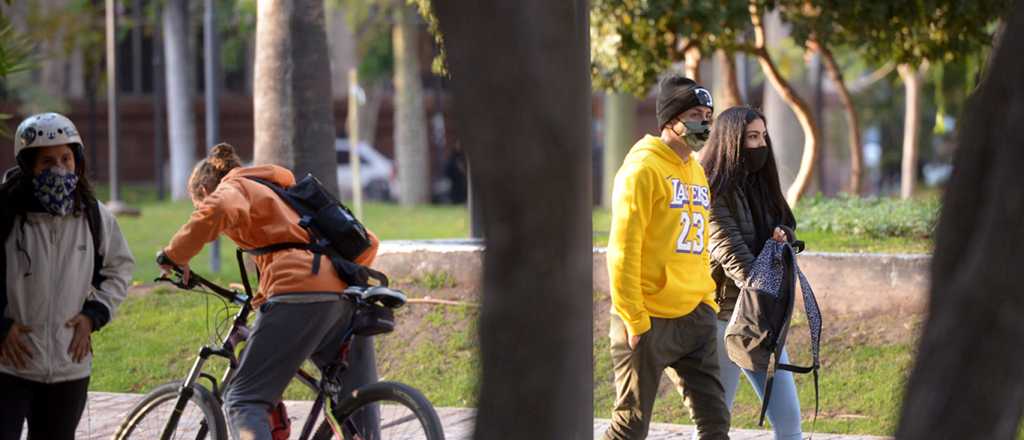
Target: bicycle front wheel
pixel 201 418
pixel 383 411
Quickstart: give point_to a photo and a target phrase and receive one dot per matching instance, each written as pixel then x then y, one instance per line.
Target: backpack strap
pixel 767 393
pixel 95 310
pixel 6 226
pixel 316 250
pixel 316 245
pixel 773 363
pixel 92 217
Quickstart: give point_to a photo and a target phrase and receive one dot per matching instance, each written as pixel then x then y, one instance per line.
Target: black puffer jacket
pixel 731 238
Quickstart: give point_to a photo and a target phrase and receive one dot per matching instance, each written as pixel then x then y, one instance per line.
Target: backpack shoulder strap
pixel 304 220
pixel 95 221
pixel 279 190
pixel 7 218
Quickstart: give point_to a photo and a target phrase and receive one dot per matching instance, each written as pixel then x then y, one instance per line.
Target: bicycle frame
pixel 240 332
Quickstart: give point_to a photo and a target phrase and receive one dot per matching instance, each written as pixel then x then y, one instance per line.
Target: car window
pixel 343 157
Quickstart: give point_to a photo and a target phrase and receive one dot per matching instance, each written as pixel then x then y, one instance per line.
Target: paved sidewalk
pixel 105 411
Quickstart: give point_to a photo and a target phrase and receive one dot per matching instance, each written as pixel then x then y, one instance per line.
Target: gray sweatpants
pixel 285 335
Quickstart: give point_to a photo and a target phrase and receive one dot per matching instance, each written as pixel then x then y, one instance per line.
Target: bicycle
pixel 190 409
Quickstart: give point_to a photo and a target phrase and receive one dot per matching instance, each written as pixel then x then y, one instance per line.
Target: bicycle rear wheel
pixel 201 418
pixel 383 411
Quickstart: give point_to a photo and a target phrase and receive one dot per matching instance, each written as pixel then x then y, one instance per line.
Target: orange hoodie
pixel 253 216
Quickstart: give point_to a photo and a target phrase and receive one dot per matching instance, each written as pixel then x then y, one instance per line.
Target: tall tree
pixel 411 147
pixel 525 125
pixel 852 119
pixel 792 98
pixel 181 124
pixel 911 77
pixel 965 379
pixel 369 27
pixel 635 41
pixel 294 116
pixel 15 56
pixel 619 125
pixel 726 88
pixel 818 26
pixel 913 35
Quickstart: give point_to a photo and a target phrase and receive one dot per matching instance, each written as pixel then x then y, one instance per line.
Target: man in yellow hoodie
pixel 663 303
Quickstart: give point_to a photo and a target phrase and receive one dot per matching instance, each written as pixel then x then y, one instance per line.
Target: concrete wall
pixel 843 283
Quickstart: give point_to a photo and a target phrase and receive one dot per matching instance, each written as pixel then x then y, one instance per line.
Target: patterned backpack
pixel 757 332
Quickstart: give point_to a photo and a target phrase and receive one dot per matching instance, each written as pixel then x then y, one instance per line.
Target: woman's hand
pixel 13 350
pixel 81 342
pixel 779 235
pixel 167 267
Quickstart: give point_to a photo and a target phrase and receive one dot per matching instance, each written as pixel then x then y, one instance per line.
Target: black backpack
pixel 333 230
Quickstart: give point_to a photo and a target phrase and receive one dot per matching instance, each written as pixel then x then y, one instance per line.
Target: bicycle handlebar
pixel 197 280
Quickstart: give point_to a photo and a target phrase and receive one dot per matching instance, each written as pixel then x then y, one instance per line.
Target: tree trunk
pixel 619 124
pixel 965 382
pixel 526 127
pixel 786 133
pixel 911 128
pixel 852 121
pixel 294 115
pixel 181 124
pixel 797 104
pixel 370 110
pixel 727 89
pixel 411 148
pixel 693 59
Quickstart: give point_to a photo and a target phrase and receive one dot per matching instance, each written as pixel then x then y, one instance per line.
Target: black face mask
pixel 754 159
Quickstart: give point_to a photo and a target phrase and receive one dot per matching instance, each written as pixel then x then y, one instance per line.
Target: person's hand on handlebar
pixel 167 267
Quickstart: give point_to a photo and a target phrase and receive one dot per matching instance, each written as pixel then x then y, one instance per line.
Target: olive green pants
pixel 685 348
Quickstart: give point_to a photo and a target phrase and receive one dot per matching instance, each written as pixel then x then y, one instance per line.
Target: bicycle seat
pixel 384 296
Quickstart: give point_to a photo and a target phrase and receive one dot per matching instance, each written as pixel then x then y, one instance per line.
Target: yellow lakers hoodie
pixel 658 262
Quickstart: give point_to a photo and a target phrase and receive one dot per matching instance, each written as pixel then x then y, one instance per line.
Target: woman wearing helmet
pixel 66 269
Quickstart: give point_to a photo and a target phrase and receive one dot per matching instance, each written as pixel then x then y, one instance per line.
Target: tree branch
pixel 852 120
pixel 429 300
pixel 799 107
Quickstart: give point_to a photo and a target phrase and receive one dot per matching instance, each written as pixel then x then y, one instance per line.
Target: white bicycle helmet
pixel 45 130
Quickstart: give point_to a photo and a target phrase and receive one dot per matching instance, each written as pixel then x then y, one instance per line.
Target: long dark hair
pixel 19 187
pixel 723 162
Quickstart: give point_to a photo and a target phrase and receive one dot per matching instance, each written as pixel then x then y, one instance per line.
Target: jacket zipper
pixel 49 297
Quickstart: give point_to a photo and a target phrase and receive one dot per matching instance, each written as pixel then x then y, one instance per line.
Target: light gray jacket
pixel 49 279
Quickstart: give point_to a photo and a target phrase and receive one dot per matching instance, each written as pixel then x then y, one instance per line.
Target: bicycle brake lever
pixel 174 282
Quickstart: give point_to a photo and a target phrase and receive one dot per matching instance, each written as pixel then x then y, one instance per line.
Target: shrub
pixel 869 217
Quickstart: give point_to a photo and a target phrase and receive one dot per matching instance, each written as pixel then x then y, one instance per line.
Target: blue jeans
pixel 784 407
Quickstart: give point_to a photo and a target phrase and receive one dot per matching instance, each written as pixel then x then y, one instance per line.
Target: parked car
pixel 376 171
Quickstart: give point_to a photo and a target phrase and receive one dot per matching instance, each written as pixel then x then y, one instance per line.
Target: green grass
pixel 860 392
pixel 848 224
pixel 155 339
pixel 435 280
pixel 443 362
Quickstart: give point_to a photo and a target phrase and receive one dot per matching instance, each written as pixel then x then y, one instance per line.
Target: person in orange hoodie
pixel 301 314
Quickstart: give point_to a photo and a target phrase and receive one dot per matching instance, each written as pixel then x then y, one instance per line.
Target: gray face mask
pixel 697 134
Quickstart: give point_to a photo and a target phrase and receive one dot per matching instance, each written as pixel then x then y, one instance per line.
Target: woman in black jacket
pixel 747 206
